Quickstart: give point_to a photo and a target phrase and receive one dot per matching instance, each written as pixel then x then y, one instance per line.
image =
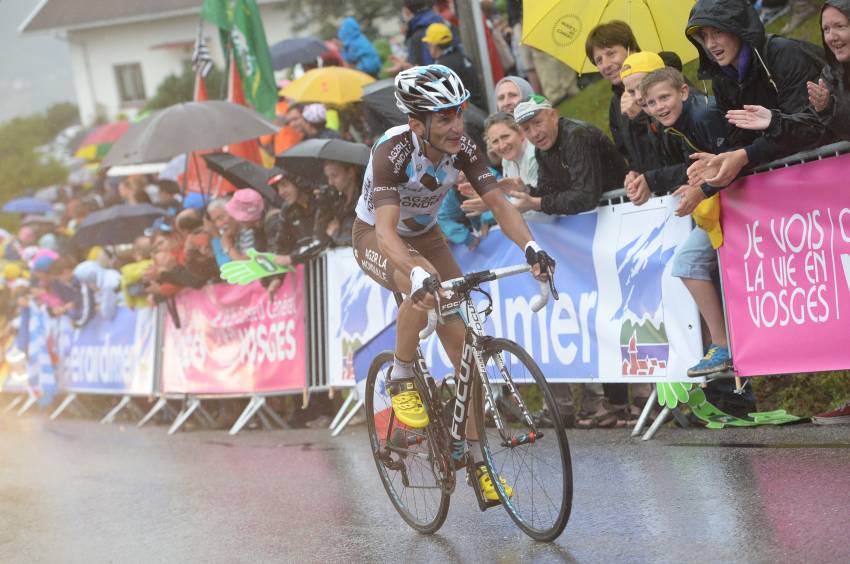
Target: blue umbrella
pixel 297 50
pixel 27 205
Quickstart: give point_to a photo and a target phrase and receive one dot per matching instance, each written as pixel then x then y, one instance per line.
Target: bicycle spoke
pixel 403 457
pixel 537 471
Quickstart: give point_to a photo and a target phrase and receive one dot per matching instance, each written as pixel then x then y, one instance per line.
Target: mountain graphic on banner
pixel 644 346
pixel 355 294
pixel 640 264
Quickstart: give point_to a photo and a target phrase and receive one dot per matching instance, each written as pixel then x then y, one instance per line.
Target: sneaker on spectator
pixel 717 359
pixel 834 417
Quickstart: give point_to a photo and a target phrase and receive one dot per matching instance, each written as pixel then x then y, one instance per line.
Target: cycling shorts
pixel 431 245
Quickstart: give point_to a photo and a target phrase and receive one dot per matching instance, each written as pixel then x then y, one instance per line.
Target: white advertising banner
pixel 621 316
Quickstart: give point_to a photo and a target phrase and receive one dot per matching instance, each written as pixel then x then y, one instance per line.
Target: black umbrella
pixel 117 225
pixel 303 159
pixel 381 112
pixel 123 151
pixel 243 173
pixel 298 50
pixel 187 127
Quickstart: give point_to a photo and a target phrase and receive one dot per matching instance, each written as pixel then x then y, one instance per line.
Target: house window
pixel 131 87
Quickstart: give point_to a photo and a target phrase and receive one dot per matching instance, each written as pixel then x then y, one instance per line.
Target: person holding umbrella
pixel 339 164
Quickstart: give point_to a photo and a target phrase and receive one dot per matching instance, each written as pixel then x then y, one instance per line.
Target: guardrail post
pixel 31 399
pixel 191 405
pixel 110 417
pixel 69 399
pixel 644 415
pixel 14 403
pixel 160 403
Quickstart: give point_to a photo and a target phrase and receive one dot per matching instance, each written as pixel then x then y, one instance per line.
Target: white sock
pixel 401 370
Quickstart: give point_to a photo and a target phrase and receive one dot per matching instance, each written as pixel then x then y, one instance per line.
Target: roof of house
pixel 79 14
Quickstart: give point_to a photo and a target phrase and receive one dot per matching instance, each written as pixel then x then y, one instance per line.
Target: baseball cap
pixel 245 205
pixel 437 34
pixel 528 109
pixel 644 61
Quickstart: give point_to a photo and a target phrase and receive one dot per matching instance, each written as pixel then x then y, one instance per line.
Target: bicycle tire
pixel 421 514
pixel 540 523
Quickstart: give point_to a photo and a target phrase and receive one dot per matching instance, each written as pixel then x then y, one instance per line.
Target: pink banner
pixel 235 340
pixel 786 269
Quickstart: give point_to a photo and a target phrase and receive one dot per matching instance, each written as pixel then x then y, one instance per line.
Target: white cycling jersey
pixel 399 173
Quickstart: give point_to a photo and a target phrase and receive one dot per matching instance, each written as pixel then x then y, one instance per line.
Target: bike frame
pixel 474 345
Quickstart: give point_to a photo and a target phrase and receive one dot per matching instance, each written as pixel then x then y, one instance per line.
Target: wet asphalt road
pixel 76 491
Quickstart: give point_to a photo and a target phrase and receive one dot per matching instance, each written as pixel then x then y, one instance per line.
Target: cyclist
pixel 396 239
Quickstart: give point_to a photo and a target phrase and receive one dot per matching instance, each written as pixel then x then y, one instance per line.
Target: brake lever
pixel 552 289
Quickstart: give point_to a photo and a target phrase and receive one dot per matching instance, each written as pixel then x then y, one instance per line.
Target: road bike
pixel 510 400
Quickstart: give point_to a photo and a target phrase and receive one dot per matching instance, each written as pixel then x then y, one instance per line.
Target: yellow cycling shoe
pixel 407 405
pixel 486 484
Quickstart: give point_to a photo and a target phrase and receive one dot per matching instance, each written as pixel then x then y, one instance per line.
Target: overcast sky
pixel 35 69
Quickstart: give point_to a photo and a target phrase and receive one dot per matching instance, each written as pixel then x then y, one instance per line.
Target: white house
pixel 121 50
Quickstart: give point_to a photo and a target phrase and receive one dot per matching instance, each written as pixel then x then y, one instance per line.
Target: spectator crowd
pixel 771 96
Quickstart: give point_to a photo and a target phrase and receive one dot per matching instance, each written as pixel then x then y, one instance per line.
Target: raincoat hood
pixel 844 7
pixel 349 30
pixel 422 20
pixel 733 16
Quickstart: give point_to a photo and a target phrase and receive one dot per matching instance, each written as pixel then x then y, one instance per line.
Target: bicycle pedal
pixel 472 480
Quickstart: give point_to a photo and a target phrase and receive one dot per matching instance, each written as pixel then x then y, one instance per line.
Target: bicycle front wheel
pixel 534 462
pixel 405 457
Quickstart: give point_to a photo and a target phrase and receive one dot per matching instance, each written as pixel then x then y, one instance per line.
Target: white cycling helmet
pixel 428 89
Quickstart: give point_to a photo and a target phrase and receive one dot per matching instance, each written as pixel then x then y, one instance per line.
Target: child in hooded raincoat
pixel 357 51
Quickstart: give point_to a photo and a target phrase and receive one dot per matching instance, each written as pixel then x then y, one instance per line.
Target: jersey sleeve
pixel 389 170
pixel 473 164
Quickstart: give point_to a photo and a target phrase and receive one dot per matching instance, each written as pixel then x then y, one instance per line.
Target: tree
pixel 61 115
pixel 306 13
pixel 180 88
pixel 21 166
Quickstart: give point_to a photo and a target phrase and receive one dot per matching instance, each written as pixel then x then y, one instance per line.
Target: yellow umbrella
pixel 560 27
pixel 328 85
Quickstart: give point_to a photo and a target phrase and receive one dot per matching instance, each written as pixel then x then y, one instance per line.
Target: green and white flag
pixel 242 29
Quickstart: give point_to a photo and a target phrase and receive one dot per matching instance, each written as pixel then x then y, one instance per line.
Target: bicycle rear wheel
pixel 404 456
pixel 534 462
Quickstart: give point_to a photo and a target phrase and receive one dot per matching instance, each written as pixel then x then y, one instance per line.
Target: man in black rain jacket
pixel 577 162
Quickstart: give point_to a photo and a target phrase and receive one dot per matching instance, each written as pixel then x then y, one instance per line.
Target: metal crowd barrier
pixel 316 324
